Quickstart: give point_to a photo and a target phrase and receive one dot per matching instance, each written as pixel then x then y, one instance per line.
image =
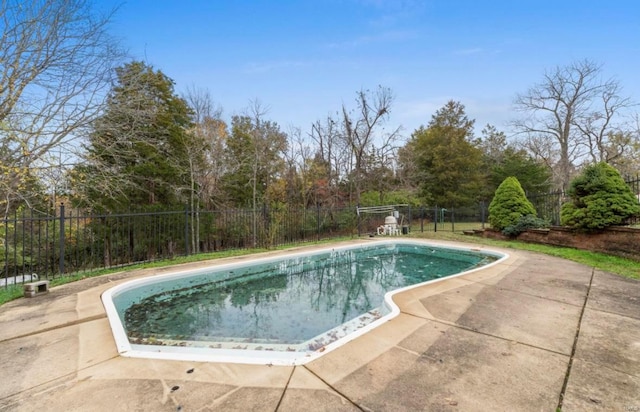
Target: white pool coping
pixel 264 357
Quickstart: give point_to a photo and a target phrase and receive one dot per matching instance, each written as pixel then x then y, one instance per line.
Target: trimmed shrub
pixel 598 198
pixel 524 223
pixel 509 204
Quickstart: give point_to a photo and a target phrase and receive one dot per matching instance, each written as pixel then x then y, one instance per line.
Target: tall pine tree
pixel 444 159
pixel 138 152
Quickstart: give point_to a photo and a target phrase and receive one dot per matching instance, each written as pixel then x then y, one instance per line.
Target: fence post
pixel 266 231
pixel 317 221
pixel 453 219
pixel 435 220
pixel 6 249
pixel 186 230
pixel 61 261
pixel 358 218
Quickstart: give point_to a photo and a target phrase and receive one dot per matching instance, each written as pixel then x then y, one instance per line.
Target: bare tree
pixel 212 130
pixel 331 162
pixel 607 139
pixel 297 174
pixel 202 104
pixel 569 117
pixel 55 65
pixel 204 152
pixel 628 162
pixel 255 152
pixel 362 126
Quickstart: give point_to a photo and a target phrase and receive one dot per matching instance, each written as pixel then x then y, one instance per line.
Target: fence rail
pixel 548 205
pixel 71 241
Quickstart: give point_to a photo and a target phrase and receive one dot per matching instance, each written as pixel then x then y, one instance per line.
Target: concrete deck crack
pixel 608 312
pixel 61 326
pixel 286 386
pixel 61 377
pixel 472 330
pixel 631 375
pixel 575 344
pixel 500 288
pixel 45 383
pixel 336 390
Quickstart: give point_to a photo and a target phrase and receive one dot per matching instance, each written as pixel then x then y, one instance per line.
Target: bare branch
pixel 574 111
pixel 56 59
pixel 360 131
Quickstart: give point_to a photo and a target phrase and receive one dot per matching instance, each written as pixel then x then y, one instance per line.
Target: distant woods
pixel 79 124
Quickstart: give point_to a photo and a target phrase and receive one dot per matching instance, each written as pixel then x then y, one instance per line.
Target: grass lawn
pixel 612 264
pixel 624 267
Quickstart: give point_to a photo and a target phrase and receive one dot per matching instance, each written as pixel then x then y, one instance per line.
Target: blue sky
pixel 304 59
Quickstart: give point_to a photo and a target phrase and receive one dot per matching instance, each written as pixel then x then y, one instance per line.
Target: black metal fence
pixel 634 184
pixel 71 241
pixel 548 205
pixel 427 219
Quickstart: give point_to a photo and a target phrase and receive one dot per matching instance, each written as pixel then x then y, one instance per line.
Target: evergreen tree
pixel 598 198
pixel 138 153
pixel 444 159
pixel 503 159
pixel 509 205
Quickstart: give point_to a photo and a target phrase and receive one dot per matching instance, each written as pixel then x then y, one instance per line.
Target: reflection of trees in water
pixel 305 295
pixel 344 280
pixel 255 295
pixel 199 310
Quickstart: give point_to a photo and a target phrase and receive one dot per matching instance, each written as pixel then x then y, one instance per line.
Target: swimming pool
pixel 279 310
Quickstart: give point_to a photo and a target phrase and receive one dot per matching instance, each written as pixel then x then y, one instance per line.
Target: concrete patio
pixel 528 334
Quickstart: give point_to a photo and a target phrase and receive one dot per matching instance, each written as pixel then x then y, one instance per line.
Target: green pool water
pixel 299 303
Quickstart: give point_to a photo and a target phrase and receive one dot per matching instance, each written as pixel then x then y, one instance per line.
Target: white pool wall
pixel 266 357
